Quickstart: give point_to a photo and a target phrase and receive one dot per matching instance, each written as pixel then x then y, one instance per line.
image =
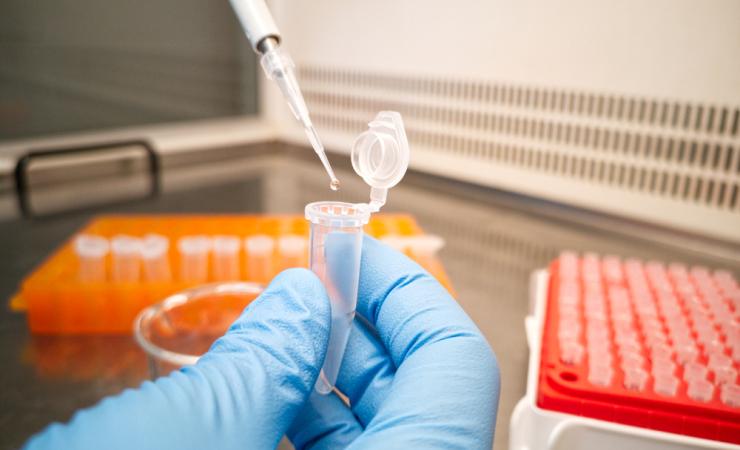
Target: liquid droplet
pixel 334 185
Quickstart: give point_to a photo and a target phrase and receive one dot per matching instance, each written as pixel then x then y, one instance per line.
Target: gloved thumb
pixel 268 361
pixel 244 393
pixel 286 329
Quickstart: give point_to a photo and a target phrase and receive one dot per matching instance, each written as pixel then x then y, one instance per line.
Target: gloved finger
pixel 445 390
pixel 325 422
pixel 268 361
pixel 367 372
pixel 405 304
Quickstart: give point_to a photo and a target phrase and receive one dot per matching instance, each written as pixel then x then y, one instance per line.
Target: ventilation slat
pixel 657 147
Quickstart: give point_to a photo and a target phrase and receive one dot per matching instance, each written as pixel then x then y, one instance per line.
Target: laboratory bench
pixel 494 240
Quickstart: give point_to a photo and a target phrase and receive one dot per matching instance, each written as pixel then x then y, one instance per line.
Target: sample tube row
pixel 196 258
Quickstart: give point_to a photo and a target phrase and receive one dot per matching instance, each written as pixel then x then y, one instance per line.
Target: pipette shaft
pixel 264 36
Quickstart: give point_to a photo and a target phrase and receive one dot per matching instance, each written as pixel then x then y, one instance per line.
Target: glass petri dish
pixel 182 327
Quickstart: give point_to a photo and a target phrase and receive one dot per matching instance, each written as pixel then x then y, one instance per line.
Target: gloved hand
pixel 243 393
pixel 417 371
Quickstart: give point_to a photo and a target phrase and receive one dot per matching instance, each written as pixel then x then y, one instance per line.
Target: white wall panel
pixel 628 107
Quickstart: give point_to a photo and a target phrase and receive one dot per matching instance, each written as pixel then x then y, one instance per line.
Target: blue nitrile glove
pixel 244 393
pixel 417 371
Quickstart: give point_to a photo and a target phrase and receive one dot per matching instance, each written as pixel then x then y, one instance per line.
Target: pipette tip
pixel 313 137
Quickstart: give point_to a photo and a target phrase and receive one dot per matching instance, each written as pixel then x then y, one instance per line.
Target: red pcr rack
pixel 643 344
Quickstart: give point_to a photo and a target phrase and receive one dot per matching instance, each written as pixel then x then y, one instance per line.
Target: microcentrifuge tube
pixel 635 379
pixel 126 253
pixel 425 245
pixel 597 335
pixel 631 348
pixel 662 364
pixel 724 375
pixel 700 272
pixel 600 352
pixel 293 251
pixel 380 156
pixel 258 250
pixel 423 248
pixel 600 374
pixel 568 333
pixel 694 371
pixel 194 251
pixel 632 360
pixel 700 390
pixel 225 253
pixel 155 258
pixel 719 361
pixel 686 353
pixel 715 346
pixel 656 340
pixel 730 395
pixel 665 385
pixel 334 256
pixel 678 270
pixel 736 351
pixel 706 334
pixel 91 251
pixel 661 351
pixel 571 353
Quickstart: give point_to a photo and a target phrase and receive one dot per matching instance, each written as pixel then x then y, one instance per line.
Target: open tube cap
pixel 380 156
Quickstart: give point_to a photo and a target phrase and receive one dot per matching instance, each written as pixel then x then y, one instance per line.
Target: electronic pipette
pixel 264 36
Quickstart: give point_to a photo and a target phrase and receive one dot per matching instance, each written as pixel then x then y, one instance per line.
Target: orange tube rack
pixel 58 301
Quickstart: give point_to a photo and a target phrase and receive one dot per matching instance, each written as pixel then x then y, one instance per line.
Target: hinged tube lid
pixel 380 156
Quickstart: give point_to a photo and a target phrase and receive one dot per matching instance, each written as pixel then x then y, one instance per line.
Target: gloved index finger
pixel 406 305
pixel 444 392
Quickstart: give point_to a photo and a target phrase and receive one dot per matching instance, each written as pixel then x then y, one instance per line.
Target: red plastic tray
pixel 618 338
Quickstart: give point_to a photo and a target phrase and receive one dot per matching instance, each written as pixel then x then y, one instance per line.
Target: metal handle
pixel 23 163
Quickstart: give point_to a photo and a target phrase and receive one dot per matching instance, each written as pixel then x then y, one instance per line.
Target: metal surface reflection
pixel 86 359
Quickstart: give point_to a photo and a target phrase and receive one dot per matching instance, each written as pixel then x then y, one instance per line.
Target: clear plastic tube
pixel 730 395
pixel 719 361
pixel 91 251
pixel 426 245
pixel 126 251
pixel 724 375
pixel 335 251
pixel 663 366
pixel 571 353
pixel 194 252
pixel 635 379
pixel 700 390
pixel 258 250
pixel 694 371
pixel 226 258
pixel 155 259
pixel 665 385
pixel 292 251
